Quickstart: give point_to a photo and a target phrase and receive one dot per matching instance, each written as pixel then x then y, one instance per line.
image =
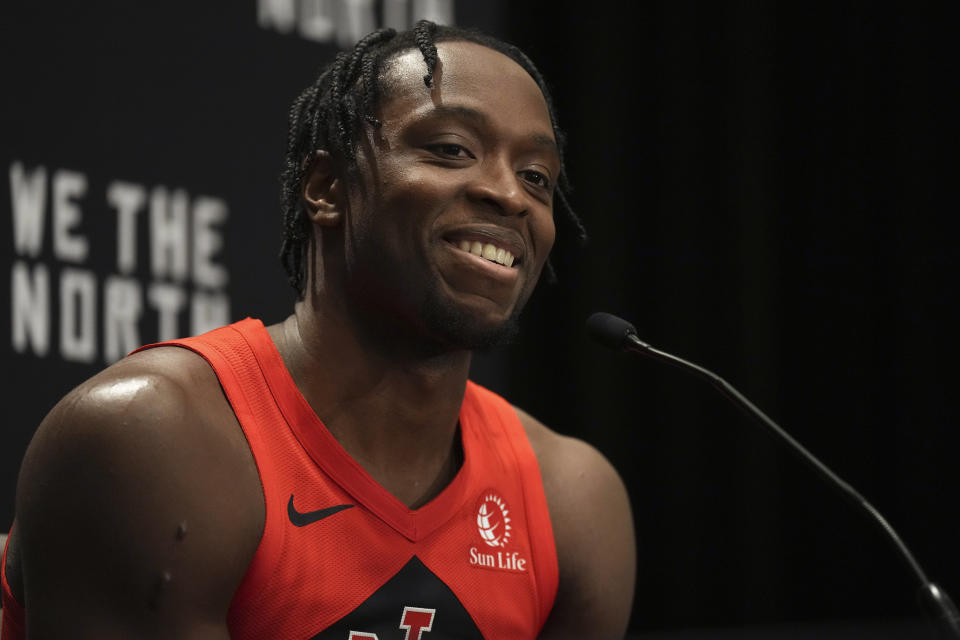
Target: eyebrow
pixel 478 117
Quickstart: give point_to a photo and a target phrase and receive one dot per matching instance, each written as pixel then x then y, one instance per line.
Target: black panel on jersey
pixel 413 586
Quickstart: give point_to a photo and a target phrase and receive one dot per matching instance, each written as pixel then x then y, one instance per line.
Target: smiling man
pixel 336 475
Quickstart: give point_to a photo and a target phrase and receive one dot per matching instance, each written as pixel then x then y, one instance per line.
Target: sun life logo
pixel 493 520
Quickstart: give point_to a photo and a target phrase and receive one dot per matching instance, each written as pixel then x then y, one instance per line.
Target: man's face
pixel 466 167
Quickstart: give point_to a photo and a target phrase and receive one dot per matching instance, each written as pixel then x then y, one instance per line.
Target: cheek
pixel 415 199
pixel 395 216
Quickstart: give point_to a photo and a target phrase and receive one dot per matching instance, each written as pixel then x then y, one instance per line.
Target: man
pixel 336 475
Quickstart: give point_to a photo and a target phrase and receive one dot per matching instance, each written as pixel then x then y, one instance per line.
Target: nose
pixel 497 185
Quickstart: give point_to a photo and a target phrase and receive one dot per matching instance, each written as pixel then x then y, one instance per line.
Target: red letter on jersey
pixel 416 621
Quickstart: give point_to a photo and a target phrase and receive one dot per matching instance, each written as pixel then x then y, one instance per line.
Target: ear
pixel 322 191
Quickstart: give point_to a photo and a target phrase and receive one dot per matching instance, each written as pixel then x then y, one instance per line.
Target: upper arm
pixel 594 536
pixel 124 520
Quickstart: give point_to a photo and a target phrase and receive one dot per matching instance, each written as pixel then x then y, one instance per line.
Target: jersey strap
pixel 13 615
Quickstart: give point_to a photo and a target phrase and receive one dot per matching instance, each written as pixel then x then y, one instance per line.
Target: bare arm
pixel 594 535
pixel 134 509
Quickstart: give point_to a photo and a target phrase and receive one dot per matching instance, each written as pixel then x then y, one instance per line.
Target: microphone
pixel 610 331
pixel 618 334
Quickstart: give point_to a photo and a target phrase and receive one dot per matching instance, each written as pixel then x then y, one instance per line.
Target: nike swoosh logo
pixel 303 519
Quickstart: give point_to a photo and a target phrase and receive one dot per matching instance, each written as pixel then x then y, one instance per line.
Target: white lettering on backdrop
pixel 95 314
pixel 343 22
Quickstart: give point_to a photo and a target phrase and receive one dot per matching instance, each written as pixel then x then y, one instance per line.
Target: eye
pixel 537 178
pixel 450 150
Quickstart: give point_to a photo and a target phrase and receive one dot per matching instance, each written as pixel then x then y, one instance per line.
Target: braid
pixel 423 35
pixel 370 92
pixel 295 226
pixel 349 115
pixel 330 114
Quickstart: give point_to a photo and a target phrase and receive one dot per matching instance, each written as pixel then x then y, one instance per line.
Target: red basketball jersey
pixel 340 557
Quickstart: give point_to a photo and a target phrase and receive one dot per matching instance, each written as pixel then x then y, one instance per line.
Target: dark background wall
pixel 767 192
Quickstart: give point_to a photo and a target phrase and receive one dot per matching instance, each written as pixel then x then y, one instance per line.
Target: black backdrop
pixel 766 187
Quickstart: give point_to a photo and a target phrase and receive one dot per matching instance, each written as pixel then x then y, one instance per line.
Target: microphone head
pixel 610 331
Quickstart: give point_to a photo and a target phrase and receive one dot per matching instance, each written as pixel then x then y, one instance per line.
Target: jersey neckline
pixel 329 455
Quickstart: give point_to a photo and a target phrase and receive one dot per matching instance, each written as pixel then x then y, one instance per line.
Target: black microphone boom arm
pixel 618 334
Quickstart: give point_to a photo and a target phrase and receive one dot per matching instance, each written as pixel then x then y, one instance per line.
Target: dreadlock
pixel 331 113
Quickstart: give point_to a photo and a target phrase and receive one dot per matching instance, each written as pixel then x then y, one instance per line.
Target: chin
pixel 460 328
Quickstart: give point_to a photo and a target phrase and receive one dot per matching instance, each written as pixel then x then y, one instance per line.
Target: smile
pixel 487 251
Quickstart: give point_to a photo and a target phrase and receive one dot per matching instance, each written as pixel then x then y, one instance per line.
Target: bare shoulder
pixel 594 535
pixel 577 478
pixel 568 463
pixel 137 502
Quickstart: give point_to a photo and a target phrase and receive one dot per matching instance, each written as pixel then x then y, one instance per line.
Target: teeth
pixel 487 251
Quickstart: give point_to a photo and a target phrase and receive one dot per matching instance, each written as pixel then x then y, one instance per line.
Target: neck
pixel 392 405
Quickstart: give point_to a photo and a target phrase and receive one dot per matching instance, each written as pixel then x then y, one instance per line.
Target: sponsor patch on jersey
pixel 494 531
pixel 493 520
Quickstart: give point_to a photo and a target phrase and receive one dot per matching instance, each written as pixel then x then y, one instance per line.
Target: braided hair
pixel 331 113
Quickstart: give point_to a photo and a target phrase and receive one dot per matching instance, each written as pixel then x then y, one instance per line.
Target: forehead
pixel 469 76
